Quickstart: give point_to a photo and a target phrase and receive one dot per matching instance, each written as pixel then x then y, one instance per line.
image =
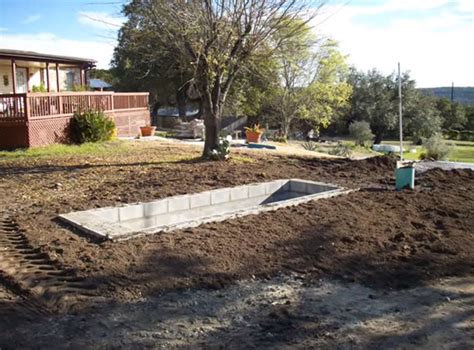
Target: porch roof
pixel 40 57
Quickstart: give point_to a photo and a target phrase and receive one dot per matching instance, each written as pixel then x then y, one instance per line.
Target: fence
pixel 36 119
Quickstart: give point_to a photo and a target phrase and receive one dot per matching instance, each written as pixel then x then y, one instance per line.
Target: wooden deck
pixel 36 119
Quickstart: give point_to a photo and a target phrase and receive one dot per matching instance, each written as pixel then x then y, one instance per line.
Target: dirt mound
pixel 376 236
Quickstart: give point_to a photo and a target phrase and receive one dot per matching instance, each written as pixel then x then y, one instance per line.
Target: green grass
pixel 161 133
pixel 59 150
pixel 242 159
pixel 463 151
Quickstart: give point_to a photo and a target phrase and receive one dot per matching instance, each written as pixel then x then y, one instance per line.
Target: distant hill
pixel 464 95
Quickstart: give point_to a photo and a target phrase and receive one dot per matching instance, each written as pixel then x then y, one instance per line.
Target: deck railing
pixel 17 107
pixel 13 108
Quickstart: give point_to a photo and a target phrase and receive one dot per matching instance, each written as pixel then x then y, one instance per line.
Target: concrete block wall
pixel 194 209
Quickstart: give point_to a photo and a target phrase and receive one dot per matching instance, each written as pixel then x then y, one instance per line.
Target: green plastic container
pixel 405 178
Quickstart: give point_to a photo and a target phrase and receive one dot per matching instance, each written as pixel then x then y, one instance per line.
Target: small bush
pixel 452 134
pixel 436 148
pixel 39 88
pixel 281 139
pixel 466 135
pixel 92 126
pixel 361 133
pixel 341 150
pixel 310 146
pixel 222 152
pixel 79 88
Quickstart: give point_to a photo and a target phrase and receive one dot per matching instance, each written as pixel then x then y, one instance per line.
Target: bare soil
pixel 376 237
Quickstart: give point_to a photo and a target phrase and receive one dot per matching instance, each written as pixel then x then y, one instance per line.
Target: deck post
pixel 82 77
pixel 27 107
pixel 112 102
pixel 27 79
pixel 14 76
pixel 57 77
pixel 47 77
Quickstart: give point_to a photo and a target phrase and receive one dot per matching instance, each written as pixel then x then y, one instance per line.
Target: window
pixel 70 79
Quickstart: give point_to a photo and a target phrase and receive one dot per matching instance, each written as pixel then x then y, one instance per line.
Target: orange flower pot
pixel 254 136
pixel 147 130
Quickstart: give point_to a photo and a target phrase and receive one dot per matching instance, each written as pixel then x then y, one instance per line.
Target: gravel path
pixel 279 313
pixel 424 166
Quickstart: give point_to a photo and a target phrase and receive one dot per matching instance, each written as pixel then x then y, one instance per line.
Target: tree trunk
pixel 181 99
pixel 212 124
pixel 378 138
pixel 285 127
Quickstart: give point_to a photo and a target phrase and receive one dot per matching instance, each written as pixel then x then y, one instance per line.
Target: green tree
pixel 215 38
pixel 311 89
pixel 470 117
pixel 107 75
pixel 142 62
pixel 453 114
pixel 424 120
pixel 373 100
pixel 361 133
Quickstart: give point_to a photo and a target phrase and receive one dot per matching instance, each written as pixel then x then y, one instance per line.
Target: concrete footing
pixel 117 223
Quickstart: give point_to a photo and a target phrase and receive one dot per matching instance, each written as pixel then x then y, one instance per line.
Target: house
pixel 26 71
pixel 38 99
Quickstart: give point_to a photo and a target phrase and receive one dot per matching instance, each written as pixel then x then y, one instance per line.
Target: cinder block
pixel 178 203
pixel 257 190
pixel 109 214
pixel 130 212
pixel 200 200
pixel 155 208
pixel 240 192
pixel 220 196
pixel 142 223
pixel 274 186
pixel 298 186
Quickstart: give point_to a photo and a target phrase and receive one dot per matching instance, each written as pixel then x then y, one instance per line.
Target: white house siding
pixel 35 77
pixel 5 70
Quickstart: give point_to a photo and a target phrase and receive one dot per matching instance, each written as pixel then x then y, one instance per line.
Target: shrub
pixel 341 150
pixel 92 126
pixel 466 135
pixel 361 133
pixel 310 146
pixel 436 148
pixel 452 134
pixel 39 88
pixel 222 152
pixel 79 88
pixel 281 139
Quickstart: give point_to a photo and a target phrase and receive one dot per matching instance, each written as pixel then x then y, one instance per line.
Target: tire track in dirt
pixel 40 285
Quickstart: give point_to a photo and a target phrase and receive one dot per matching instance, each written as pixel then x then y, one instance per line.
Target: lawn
pixel 463 150
pixel 91 152
pixel 60 150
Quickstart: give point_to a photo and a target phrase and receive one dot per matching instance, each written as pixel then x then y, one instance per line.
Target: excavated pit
pixel 183 211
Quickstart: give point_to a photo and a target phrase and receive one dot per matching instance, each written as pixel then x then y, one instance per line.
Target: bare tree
pixel 218 37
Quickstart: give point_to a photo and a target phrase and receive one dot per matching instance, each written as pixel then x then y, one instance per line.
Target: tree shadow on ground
pixel 48 169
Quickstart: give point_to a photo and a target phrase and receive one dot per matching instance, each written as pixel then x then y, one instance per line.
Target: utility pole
pixel 452 93
pixel 400 111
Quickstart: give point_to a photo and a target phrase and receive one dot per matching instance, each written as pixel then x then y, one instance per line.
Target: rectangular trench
pixel 191 210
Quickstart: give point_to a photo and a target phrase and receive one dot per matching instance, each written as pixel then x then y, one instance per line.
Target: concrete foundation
pixel 194 209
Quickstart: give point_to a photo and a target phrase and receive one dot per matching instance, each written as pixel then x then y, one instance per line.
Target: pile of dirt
pixel 376 236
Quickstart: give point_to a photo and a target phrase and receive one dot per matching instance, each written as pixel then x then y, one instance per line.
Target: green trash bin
pixel 405 178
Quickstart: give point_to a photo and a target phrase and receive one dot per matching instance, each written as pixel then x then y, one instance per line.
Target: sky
pixel 432 39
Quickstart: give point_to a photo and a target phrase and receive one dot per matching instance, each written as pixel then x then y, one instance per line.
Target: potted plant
pixel 254 133
pixel 147 130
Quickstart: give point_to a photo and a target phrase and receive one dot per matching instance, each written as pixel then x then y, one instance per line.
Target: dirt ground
pixel 375 239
